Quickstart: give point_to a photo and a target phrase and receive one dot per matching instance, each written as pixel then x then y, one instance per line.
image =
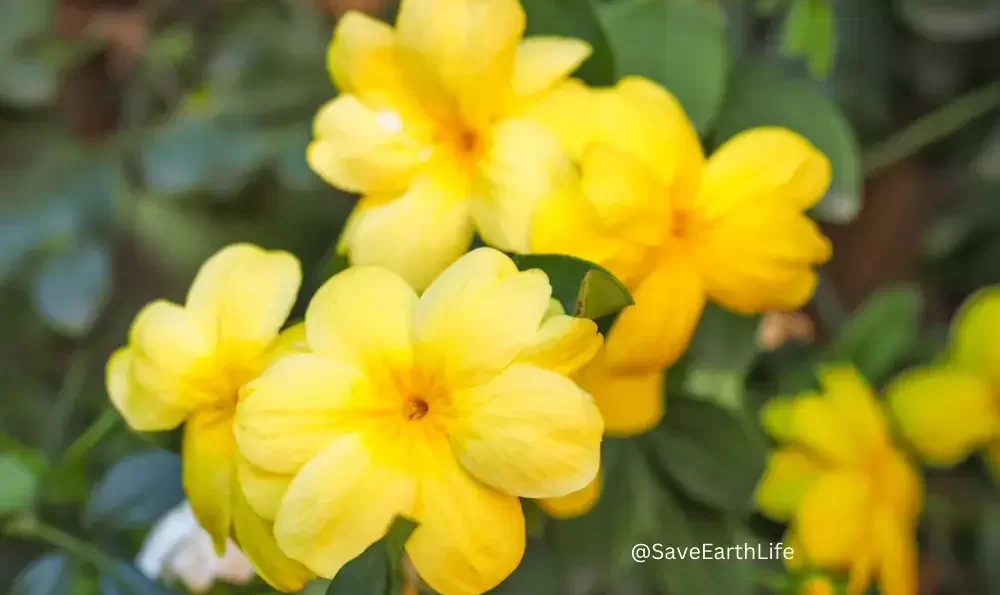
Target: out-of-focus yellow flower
pixel 949 410
pixel 677 229
pixel 818 585
pixel 851 497
pixel 443 409
pixel 432 127
pixel 186 364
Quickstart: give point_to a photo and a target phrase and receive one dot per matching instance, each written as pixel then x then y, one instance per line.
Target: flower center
pixel 681 223
pixel 416 408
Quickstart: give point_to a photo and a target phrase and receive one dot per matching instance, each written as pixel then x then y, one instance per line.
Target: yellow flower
pixel 679 230
pixel 432 128
pixel 186 364
pixel 851 497
pixel 818 585
pixel 442 409
pixel 949 410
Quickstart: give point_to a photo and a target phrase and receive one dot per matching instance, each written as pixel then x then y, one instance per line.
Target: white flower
pixel 179 549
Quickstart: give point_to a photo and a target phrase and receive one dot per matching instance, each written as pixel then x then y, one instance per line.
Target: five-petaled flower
pixel 951 409
pixel 186 364
pixel 443 408
pixel 852 498
pixel 678 230
pixel 435 129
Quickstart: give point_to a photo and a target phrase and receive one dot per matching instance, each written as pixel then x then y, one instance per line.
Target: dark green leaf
pixel 989 546
pixel 761 94
pixel 880 335
pixel 953 20
pixel 137 491
pixel 124 579
pixel 709 452
pixel 48 575
pixel 583 288
pixel 72 289
pixel 18 483
pixel 681 45
pixel 810 33
pixel 395 544
pixel 368 574
pixel 721 353
pixel 537 574
pixel 574 18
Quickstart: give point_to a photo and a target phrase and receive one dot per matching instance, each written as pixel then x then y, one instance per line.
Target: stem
pixel 931 128
pixel 31 527
pixel 69 392
pixel 105 422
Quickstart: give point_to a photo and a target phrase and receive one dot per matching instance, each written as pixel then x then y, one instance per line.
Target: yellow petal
pixel 855 402
pixel 450 548
pixel 897 549
pixel 975 335
pixel 945 413
pixel 241 298
pixel 469 47
pixel 291 341
pixel 363 316
pixel 903 487
pixel 169 350
pixel 631 402
pixel 576 504
pixel 657 329
pixel 143 411
pixel 626 193
pixel 563 344
pixel 256 539
pixel 528 432
pixel 819 427
pixel 763 168
pixel 760 259
pixel 777 418
pixel 542 62
pixel 416 235
pixel 648 122
pixel 833 517
pixel 209 471
pixel 565 222
pixel 298 407
pixel 523 163
pixel 340 503
pixel 477 316
pixel 566 111
pixel 261 489
pixel 363 149
pixel 789 473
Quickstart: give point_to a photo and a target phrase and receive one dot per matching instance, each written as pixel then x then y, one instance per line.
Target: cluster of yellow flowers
pixel 441 387
pixel 851 495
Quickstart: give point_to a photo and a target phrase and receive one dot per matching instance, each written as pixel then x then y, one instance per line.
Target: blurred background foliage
pixel 139 136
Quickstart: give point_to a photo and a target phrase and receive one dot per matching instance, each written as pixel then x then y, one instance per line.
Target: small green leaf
pixel 72 289
pixel 123 578
pixel 137 491
pixel 709 452
pixel 368 574
pixel 880 335
pixel 583 288
pixel 577 19
pixel 48 575
pixel 681 45
pixel 395 544
pixel 762 94
pixel 721 354
pixel 19 483
pixel 810 32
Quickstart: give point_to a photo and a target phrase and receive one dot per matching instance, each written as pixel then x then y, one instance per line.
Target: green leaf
pixel 26 82
pixel 583 288
pixel 574 18
pixel 72 288
pixel 48 575
pixel 124 579
pixel 537 574
pixel 137 491
pixel 952 20
pixel 881 334
pixel 19 483
pixel 709 452
pixel 989 546
pixel 723 349
pixel 681 45
pixel 762 94
pixel 810 32
pixel 379 569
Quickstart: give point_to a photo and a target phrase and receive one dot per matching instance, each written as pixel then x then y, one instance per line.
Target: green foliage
pixel 575 18
pixel 20 484
pixel 379 569
pixel 680 45
pixel 583 288
pixel 48 575
pixel 810 33
pixel 137 491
